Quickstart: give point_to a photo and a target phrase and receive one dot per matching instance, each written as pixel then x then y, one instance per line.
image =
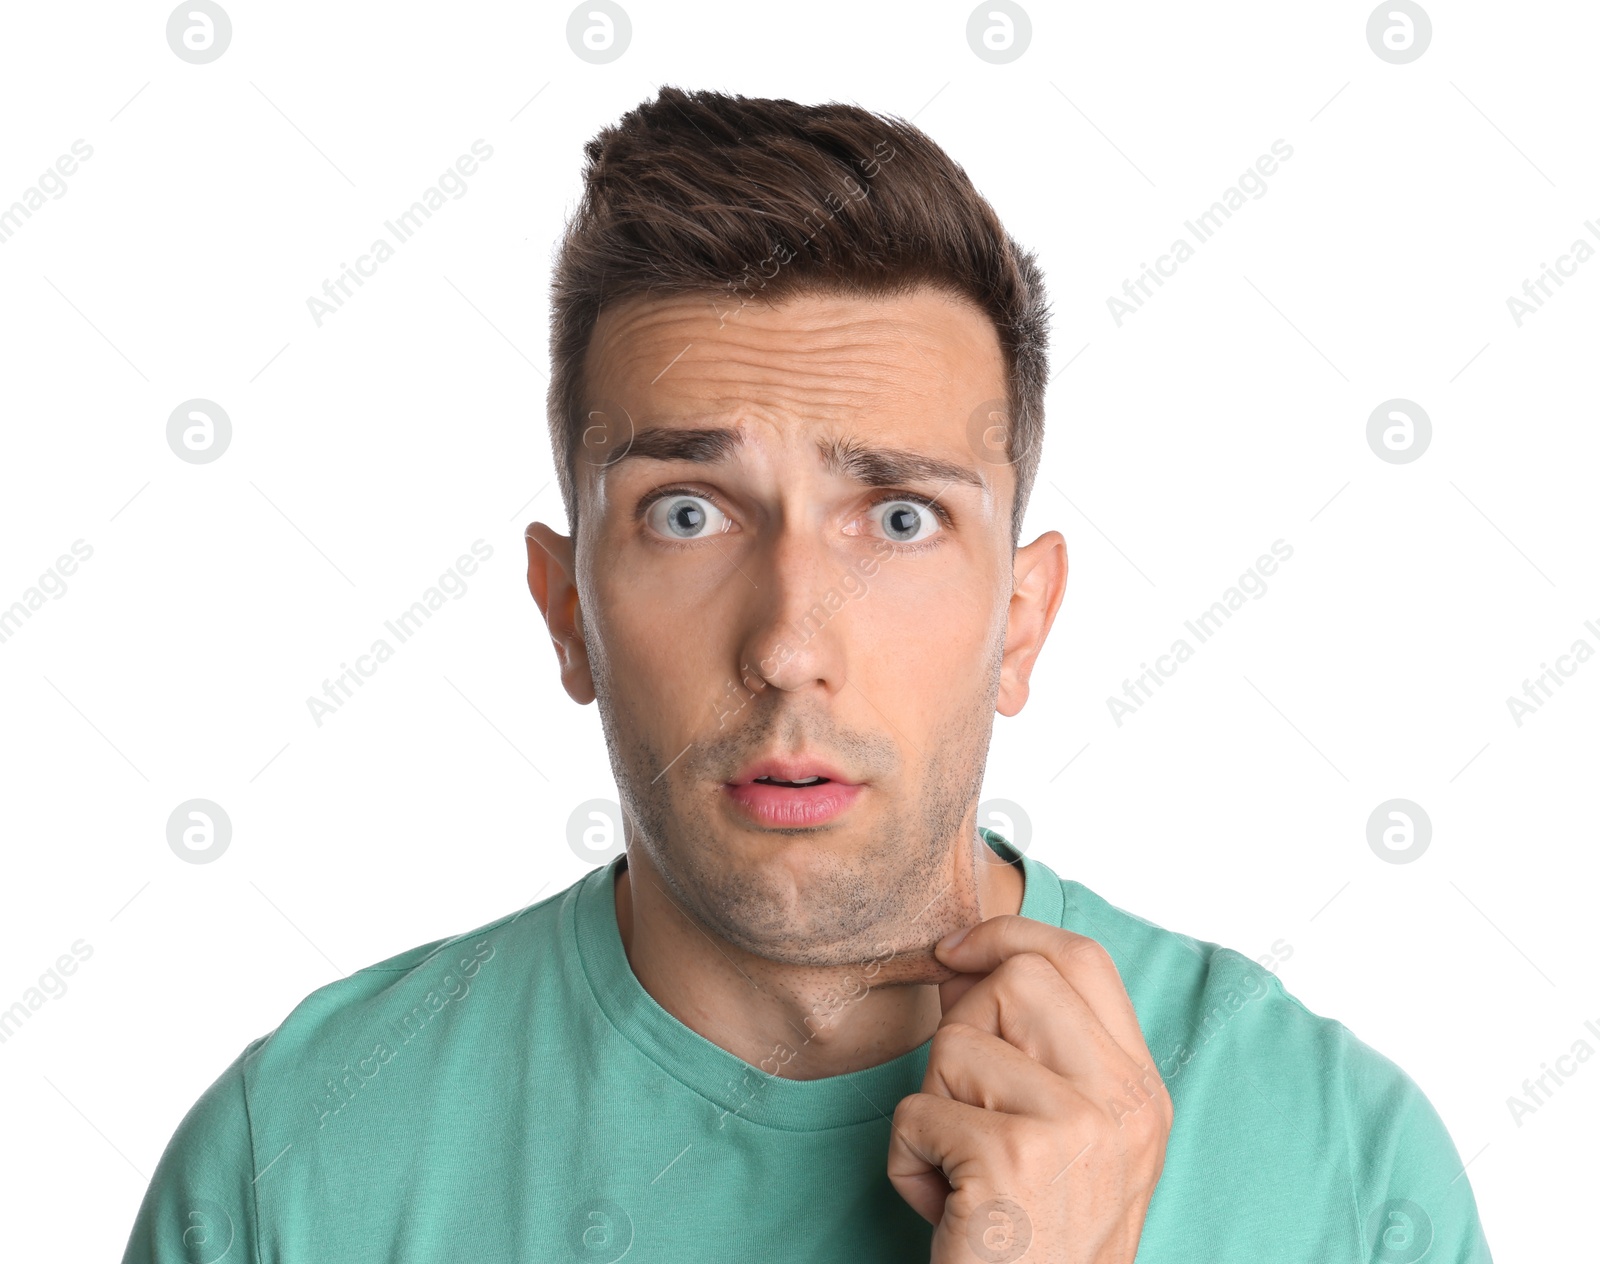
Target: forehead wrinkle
pixel 655 343
pixel 789 372
pixel 677 366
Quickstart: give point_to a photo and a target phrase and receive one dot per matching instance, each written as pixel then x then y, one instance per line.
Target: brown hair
pixel 704 192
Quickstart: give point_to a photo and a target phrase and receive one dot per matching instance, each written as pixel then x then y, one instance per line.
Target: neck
pixel 766 1012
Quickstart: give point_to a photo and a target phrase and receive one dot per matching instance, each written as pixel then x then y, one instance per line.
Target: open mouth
pixel 790 795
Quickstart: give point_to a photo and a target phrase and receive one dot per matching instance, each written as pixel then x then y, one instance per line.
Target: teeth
pixel 774 781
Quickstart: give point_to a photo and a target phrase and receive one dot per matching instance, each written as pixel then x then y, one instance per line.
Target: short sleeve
pixel 1413 1200
pixel 200 1206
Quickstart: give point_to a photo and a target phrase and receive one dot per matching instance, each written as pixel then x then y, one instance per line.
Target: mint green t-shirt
pixel 514 1094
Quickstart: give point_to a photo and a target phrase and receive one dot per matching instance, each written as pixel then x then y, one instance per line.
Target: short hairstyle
pixel 707 192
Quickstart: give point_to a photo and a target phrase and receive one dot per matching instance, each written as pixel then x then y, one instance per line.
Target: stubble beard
pixel 878 901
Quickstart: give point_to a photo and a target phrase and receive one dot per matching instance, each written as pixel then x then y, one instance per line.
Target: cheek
pixel 920 628
pixel 666 643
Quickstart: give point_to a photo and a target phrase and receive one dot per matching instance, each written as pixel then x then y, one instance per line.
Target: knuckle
pixel 1030 1147
pixel 1151 1127
pixel 1067 1104
pixel 1089 954
pixel 1144 1125
pixel 908 1108
pixel 953 1030
pixel 951 1037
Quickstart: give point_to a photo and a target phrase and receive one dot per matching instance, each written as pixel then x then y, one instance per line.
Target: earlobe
pixel 1039 583
pixel 552 580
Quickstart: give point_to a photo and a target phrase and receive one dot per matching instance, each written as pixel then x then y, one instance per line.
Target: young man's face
pixel 794 557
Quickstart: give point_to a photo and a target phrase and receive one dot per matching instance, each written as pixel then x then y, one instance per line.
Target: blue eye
pixel 907 521
pixel 685 517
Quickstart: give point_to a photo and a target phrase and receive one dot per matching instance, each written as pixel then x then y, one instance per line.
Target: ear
pixel 1039 577
pixel 552 579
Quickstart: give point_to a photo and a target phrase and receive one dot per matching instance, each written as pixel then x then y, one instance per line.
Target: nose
pixel 796 617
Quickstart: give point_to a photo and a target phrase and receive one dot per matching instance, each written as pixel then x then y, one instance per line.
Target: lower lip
pixel 784 807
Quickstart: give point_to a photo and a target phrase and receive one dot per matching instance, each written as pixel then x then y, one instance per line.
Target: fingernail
pixel 952 939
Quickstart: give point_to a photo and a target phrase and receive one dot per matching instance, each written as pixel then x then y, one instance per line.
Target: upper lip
pixel 788 768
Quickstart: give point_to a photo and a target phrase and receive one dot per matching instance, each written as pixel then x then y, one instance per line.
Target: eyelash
pixel 885 497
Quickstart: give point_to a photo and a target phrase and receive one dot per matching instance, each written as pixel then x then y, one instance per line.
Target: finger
pixel 1026 1003
pixel 974 1066
pixel 934 1142
pixel 1081 961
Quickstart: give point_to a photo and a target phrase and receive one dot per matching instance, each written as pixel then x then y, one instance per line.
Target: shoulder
pixel 292 1085
pixel 333 1041
pixel 1266 1092
pixel 398 998
pixel 1194 996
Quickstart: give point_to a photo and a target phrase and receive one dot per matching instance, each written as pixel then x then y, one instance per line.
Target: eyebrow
pixel 872 466
pixel 671 443
pixel 884 467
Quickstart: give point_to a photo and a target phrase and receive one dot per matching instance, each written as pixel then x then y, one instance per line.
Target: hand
pixel 1041 1128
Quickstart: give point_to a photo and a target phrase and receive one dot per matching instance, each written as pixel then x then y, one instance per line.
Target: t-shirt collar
pixel 734 1089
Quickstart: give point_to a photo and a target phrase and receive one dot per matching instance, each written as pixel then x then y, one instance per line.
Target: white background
pixel 369 453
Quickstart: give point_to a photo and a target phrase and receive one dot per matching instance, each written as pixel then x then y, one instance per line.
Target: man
pixel 796 405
